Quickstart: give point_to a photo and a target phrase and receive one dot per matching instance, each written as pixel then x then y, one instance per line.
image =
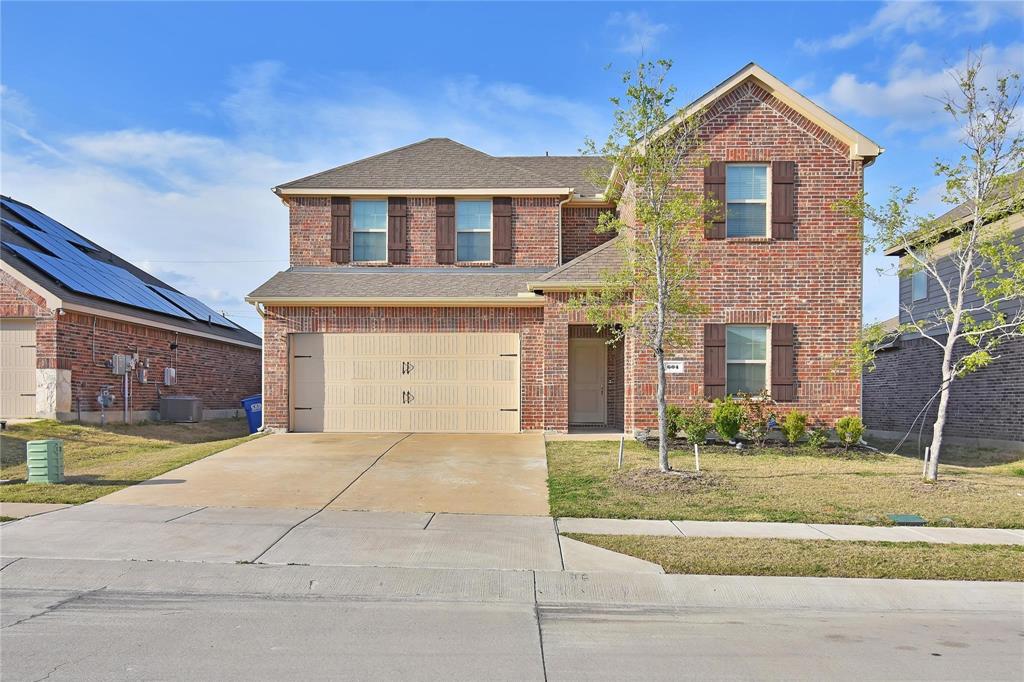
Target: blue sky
pixel 157 129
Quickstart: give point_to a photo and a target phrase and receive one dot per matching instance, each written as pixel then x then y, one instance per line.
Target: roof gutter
pixel 523 299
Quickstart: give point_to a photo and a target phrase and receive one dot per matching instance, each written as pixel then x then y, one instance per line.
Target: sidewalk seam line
pixel 540 630
pixel 432 515
pixel 558 539
pixel 186 514
pixel 328 503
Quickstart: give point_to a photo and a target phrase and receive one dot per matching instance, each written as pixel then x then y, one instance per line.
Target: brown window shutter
pixel 714 188
pixel 398 231
pixel 783 363
pixel 341 229
pixel 445 230
pixel 714 361
pixel 783 205
pixel 501 214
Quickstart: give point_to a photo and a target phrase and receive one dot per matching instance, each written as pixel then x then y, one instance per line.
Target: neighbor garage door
pixel 17 368
pixel 405 382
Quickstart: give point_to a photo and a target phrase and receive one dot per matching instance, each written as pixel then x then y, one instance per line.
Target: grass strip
pixel 819 558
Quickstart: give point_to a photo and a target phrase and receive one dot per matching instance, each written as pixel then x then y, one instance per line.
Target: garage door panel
pixel 17 368
pixel 441 382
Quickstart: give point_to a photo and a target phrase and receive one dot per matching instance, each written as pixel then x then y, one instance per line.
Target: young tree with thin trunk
pixel 660 224
pixel 968 254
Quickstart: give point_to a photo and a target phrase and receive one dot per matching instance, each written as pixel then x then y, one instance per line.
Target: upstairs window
pixel 746 358
pixel 919 285
pixel 369 231
pixel 746 198
pixel 472 231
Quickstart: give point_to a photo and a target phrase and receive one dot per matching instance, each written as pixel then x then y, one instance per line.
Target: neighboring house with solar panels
pixel 428 285
pixel 77 322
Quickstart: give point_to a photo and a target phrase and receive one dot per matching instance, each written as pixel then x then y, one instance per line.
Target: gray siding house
pixel 986 407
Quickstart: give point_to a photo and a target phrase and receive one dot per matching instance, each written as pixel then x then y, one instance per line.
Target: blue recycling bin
pixel 253 411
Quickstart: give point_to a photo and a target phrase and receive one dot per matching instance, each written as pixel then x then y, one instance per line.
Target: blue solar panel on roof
pixel 102 280
pixel 193 306
pixel 56 245
pixel 47 224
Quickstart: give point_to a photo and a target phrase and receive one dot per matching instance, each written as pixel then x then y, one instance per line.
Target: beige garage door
pixel 460 383
pixel 17 368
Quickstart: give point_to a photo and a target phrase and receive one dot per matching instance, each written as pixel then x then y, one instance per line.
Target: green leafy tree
pixel 660 223
pixel 967 250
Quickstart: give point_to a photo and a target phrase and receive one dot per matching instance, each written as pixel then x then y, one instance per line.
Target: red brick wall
pixel 219 373
pixel 534 232
pixel 813 282
pixel 309 230
pixel 281 321
pixel 578 235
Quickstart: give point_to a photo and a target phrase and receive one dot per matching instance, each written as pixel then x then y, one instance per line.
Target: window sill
pixel 749 240
pixel 369 263
pixel 474 264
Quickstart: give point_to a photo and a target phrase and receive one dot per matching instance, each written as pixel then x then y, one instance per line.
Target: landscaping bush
pixel 672 413
pixel 849 430
pixel 695 422
pixel 794 426
pixel 727 414
pixel 758 416
pixel 818 437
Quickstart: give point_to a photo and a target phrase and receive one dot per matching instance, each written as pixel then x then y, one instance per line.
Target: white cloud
pixel 893 17
pixel 174 200
pixel 638 34
pixel 982 15
pixel 908 96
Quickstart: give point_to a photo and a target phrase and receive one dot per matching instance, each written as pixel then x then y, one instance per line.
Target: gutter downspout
pixel 561 204
pixel 261 310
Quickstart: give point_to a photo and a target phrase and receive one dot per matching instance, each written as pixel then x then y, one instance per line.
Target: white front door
pixel 588 379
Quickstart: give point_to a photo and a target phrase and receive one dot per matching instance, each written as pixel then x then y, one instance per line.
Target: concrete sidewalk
pixel 792 531
pixel 322 537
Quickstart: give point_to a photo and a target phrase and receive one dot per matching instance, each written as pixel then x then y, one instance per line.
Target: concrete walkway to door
pixel 458 473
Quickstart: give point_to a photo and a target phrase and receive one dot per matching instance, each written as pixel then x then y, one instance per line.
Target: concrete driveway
pixel 457 473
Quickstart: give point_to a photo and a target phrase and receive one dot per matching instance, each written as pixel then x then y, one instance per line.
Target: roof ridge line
pixel 369 158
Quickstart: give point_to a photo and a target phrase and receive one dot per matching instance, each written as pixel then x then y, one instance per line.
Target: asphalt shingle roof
pixel 588 267
pixel 433 163
pixel 348 282
pixel 572 171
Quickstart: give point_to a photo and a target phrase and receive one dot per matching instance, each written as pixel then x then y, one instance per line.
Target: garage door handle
pixel 508 409
pixel 508 355
pixel 407 397
pixel 303 408
pixel 302 356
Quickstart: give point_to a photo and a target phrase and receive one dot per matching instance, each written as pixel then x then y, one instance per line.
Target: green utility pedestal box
pixel 45 461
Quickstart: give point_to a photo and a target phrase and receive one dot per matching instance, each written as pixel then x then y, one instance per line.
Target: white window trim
pixel 767 362
pixel 914 298
pixel 489 230
pixel 767 201
pixel 353 230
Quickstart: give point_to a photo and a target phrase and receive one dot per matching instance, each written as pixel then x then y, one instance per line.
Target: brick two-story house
pixel 428 285
pixel 986 407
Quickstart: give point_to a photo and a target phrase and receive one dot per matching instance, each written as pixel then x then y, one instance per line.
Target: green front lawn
pixel 778 484
pixel 99 461
pixel 819 558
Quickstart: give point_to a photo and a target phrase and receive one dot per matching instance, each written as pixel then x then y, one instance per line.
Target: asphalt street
pixel 114 619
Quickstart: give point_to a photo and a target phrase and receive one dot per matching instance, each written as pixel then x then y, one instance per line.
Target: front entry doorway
pixel 588 381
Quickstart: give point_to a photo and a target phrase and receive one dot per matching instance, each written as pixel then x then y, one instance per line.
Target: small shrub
pixel 758 416
pixel 818 437
pixel 727 415
pixel 695 422
pixel 672 413
pixel 794 426
pixel 849 430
